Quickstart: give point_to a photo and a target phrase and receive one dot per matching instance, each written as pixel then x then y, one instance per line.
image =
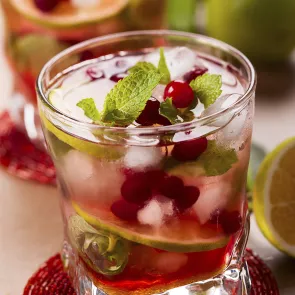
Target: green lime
pixel 65 15
pixel 179 236
pixel 274 197
pixel 82 145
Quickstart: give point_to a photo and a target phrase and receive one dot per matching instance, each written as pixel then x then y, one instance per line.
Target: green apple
pixel 263 29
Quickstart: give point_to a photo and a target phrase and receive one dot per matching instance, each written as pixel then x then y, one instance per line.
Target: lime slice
pixel 83 145
pixel 274 197
pixel 65 15
pixel 180 236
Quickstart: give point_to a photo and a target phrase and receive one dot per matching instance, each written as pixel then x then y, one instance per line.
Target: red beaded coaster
pixel 20 157
pixel 52 280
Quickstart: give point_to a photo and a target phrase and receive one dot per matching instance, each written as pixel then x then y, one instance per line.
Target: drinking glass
pixel 107 255
pixel 33 37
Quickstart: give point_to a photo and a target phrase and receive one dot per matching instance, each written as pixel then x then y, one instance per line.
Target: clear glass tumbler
pixel 36 33
pixel 106 255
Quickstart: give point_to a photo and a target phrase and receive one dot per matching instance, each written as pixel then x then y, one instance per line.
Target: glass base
pixel 235 280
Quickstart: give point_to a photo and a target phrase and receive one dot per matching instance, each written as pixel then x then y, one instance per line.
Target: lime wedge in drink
pixel 179 236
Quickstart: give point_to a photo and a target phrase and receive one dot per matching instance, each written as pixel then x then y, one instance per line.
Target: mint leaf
pixel 125 102
pixel 217 159
pixel 163 68
pixel 207 88
pixel 143 65
pixel 89 108
pixel 169 111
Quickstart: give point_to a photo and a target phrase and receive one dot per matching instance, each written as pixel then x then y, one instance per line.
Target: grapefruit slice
pixel 65 15
pixel 180 236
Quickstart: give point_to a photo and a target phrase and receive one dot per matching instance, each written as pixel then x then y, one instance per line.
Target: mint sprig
pixel 143 65
pixel 125 102
pixel 163 68
pixel 89 108
pixel 216 160
pixel 169 111
pixel 175 115
pixel 148 66
pixel 207 88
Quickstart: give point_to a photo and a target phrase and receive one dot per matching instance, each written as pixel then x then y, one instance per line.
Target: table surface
pixel 30 220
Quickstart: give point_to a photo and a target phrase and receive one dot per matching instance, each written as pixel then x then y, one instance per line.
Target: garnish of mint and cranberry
pixel 131 101
pixel 131 98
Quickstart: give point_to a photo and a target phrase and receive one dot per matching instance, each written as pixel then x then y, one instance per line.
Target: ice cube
pixel 168 262
pixel 97 90
pixel 139 158
pixel 220 104
pixel 213 196
pixel 91 179
pixel 158 92
pixel 180 60
pixel 152 214
pixel 84 3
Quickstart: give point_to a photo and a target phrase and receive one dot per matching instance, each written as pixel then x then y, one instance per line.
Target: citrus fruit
pixel 65 15
pixel 82 145
pixel 179 236
pixel 274 197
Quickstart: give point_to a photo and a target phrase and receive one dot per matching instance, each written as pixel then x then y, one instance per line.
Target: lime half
pixel 274 197
pixel 180 236
pixel 65 15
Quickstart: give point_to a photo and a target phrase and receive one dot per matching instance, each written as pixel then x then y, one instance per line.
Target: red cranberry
pixel 181 93
pixel 150 114
pixel 155 177
pixel 231 222
pixel 124 210
pixel 117 77
pixel 171 187
pixel 46 5
pixel 136 188
pixel 163 121
pixel 188 199
pixel 192 75
pixel 86 55
pixel 94 74
pixel 189 150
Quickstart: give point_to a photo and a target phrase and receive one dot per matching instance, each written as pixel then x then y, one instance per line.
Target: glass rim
pixel 150 129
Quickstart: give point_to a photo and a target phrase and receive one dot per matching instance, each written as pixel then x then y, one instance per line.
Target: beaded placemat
pixel 20 157
pixel 51 279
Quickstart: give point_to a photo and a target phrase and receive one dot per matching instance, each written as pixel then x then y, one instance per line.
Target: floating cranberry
pixel 189 150
pixel 124 210
pixel 155 178
pixel 231 222
pixel 189 198
pixel 150 114
pixel 86 55
pixel 136 188
pixel 94 74
pixel 163 121
pixel 192 75
pixel 171 187
pixel 46 5
pixel 117 77
pixel 181 93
